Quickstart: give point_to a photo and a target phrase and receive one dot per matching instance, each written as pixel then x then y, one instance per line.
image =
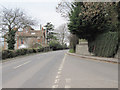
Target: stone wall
pixel 82 48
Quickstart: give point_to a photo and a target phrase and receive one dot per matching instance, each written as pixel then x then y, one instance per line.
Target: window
pixel 22 41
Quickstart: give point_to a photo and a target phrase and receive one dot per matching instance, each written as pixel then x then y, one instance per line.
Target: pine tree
pixel 50 32
pixel 88 20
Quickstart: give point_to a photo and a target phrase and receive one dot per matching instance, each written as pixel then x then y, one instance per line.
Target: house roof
pixel 31 33
pixel 28 27
pixel 28 31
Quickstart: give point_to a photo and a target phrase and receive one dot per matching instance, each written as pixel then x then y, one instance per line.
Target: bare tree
pixel 62 34
pixel 64 8
pixel 12 20
pixel 15 18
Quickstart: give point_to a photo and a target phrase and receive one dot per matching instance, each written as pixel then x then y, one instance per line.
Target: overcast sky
pixel 42 10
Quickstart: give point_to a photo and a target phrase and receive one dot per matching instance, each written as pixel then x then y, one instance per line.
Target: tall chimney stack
pixel 40 27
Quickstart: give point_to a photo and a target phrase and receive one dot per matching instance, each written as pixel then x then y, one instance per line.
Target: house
pixel 29 38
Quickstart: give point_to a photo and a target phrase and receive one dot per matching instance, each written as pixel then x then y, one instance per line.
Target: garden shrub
pixel 30 50
pixel 35 50
pixel 14 53
pixel 55 45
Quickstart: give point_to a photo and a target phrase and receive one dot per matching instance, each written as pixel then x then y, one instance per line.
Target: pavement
pixel 111 60
pixel 58 69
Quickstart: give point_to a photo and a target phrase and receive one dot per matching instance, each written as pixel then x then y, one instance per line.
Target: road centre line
pixel 21 64
pixel 55 86
pixel 60 69
pixel 57 79
pixel 58 76
pixel 59 72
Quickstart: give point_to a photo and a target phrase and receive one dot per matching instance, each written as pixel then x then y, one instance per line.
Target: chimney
pixel 40 27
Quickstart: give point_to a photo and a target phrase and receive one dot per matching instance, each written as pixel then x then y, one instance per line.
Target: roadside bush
pixel 25 51
pixel 14 53
pixel 22 52
pixel 40 49
pixel 35 50
pixel 65 46
pixel 71 51
pixel 19 52
pixel 8 54
pixel 47 49
pixel 54 45
pixel 30 50
pixel 5 54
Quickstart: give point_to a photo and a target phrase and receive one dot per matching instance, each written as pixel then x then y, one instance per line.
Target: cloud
pixel 43 12
pixel 30 0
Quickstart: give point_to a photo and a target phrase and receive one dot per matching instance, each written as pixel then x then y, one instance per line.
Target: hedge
pixel 54 45
pixel 14 53
pixel 19 52
pixel 105 45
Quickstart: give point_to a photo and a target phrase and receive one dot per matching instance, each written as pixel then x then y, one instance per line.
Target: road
pixel 58 70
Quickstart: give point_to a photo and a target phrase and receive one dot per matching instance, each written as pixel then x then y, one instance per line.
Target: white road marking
pixel 55 86
pixel 21 64
pixel 57 81
pixel 59 72
pixel 60 69
pixel 62 64
pixel 58 76
pixel 67 86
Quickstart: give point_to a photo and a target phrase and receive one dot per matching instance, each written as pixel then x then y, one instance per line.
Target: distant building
pixel 29 38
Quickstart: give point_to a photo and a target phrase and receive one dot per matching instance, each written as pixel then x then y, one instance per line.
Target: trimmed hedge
pixel 54 45
pixel 19 52
pixel 105 45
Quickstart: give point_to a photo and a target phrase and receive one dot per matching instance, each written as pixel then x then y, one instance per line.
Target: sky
pixel 41 10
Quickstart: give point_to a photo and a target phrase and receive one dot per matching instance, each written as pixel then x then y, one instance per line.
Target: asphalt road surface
pixel 58 70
